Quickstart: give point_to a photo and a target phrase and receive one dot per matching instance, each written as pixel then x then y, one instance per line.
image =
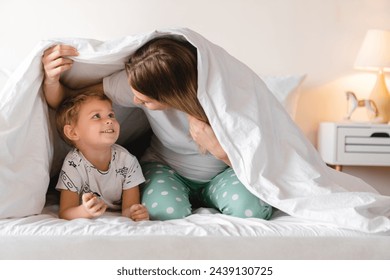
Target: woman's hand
pixel 136 212
pixel 93 205
pixel 56 60
pixel 204 136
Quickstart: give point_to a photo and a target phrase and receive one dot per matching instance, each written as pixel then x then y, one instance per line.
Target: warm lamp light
pixel 374 54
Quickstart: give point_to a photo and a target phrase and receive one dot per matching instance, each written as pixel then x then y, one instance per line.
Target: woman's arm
pixel 204 136
pixel 55 61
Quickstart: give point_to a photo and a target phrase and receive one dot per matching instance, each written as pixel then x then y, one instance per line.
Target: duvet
pixel 269 154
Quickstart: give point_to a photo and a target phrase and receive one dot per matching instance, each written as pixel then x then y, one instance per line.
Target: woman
pixel 185 165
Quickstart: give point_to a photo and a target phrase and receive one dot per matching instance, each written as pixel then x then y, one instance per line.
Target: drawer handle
pixel 380 134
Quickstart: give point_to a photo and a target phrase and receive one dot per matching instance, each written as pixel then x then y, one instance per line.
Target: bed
pixel 357 227
pixel 203 235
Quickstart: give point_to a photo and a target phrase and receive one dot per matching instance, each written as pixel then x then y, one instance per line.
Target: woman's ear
pixel 70 132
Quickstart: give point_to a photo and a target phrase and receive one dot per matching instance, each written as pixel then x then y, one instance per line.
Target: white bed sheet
pixel 203 235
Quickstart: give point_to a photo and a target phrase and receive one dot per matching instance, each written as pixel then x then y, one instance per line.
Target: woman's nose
pixel 136 100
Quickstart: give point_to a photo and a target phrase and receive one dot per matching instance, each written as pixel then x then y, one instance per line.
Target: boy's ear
pixel 70 133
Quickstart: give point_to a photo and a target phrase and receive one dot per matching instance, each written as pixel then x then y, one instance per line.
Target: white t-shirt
pixel 79 175
pixel 171 143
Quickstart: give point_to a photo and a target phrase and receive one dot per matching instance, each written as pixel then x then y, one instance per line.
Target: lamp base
pixel 380 96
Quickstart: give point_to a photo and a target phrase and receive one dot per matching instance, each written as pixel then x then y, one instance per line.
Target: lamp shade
pixel 374 53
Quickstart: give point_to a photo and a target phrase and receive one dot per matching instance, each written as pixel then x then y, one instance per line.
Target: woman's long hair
pixel 165 69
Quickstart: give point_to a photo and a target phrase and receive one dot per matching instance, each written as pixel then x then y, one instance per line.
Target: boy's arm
pixel 131 206
pixel 70 208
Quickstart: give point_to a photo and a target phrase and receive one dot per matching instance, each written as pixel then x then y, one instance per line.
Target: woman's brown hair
pixel 165 69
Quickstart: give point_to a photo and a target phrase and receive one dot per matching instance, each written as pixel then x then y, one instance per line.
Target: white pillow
pixel 286 89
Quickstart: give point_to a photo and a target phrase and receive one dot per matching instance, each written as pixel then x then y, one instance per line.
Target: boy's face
pixel 96 125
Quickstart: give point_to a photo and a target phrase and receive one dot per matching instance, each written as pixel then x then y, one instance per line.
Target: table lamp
pixel 374 55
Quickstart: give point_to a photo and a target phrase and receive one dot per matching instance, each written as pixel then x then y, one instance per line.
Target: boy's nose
pixel 109 121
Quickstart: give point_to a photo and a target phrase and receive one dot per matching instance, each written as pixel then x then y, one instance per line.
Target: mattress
pixel 202 235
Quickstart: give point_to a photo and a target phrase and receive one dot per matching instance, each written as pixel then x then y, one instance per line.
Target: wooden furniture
pixel 348 143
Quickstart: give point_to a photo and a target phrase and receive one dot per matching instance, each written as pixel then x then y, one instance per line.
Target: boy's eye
pixel 96 116
pixel 111 115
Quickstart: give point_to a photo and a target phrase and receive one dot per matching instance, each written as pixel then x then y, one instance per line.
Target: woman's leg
pixel 227 194
pixel 164 193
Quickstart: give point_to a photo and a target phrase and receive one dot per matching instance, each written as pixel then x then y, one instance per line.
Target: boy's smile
pixel 96 126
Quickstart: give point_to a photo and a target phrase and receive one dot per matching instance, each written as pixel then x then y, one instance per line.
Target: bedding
pixel 34 141
pixel 268 152
pixel 203 235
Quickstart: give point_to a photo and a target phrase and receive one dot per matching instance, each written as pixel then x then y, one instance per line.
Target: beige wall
pixel 317 37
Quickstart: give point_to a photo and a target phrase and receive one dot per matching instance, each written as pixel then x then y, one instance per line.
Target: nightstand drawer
pixel 355 144
pixel 357 140
pixel 372 142
pixel 366 149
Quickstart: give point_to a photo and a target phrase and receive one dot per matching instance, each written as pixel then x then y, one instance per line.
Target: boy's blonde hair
pixel 165 69
pixel 68 111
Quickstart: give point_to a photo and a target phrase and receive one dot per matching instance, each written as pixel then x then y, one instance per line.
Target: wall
pixel 316 37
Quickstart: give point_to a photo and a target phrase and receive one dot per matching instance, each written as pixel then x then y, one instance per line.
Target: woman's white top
pixel 171 143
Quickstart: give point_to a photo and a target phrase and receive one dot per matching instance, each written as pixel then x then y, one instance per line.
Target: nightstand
pixel 363 144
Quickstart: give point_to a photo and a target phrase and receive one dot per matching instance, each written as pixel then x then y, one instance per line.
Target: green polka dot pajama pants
pixel 168 195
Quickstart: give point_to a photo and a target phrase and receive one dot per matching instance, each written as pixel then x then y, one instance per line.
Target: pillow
pixel 286 89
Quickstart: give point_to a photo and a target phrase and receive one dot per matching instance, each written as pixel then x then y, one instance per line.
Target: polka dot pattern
pixel 166 195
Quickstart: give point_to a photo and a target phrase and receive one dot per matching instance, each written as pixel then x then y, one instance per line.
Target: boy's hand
pixel 137 212
pixel 55 61
pixel 93 205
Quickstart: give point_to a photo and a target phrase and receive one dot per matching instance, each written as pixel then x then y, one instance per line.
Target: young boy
pixel 97 174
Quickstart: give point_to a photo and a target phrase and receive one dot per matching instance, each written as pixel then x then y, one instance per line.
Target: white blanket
pixel 269 154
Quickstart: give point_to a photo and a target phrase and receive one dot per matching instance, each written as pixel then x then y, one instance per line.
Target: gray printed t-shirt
pixel 79 175
pixel 171 143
